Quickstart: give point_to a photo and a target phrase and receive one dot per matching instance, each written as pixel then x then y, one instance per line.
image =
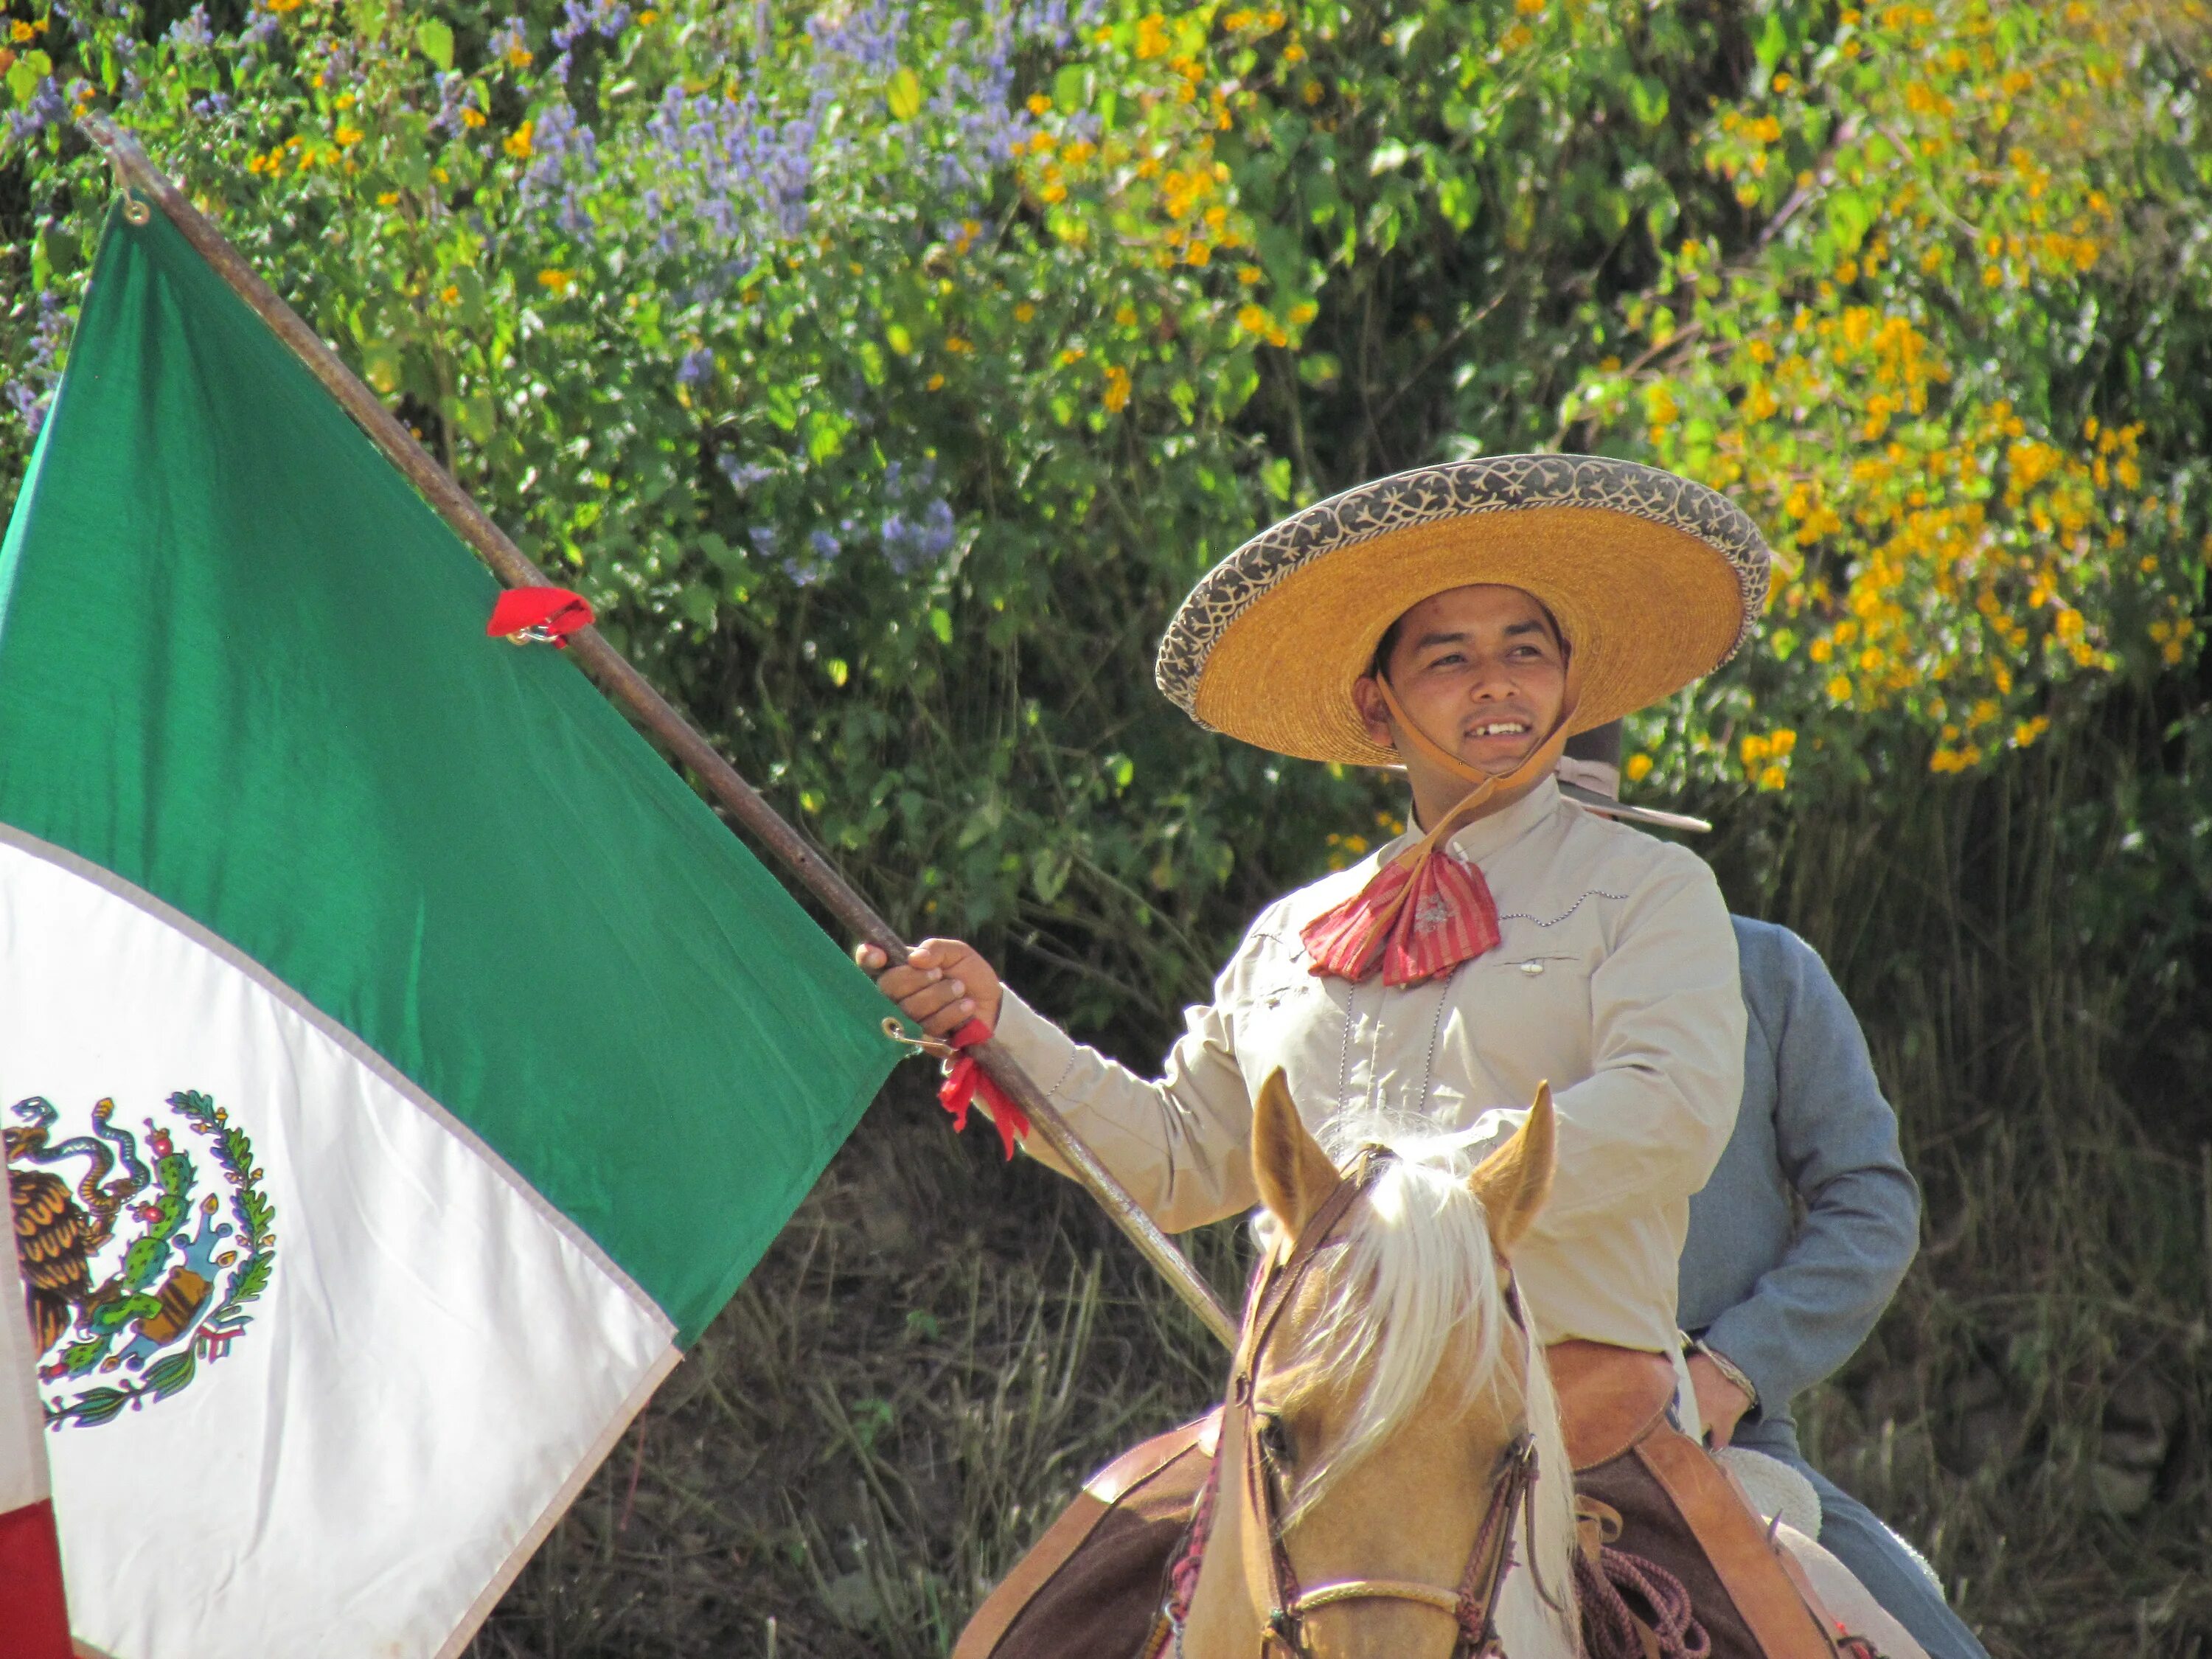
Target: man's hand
pixel 1719 1402
pixel 943 985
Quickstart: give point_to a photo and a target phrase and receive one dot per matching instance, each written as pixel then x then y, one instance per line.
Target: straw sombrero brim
pixel 1654 580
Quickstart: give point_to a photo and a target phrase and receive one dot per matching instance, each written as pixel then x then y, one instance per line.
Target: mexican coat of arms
pixel 139 1252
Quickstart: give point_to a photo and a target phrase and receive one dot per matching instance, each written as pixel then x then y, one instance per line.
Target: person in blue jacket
pixel 1803 1233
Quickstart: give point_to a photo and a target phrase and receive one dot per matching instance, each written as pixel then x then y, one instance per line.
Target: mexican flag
pixel 400 1064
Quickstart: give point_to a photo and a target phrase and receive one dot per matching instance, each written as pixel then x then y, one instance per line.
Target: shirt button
pixel 1532 967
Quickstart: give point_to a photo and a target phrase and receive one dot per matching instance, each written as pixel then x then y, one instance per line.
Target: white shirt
pixel 1616 981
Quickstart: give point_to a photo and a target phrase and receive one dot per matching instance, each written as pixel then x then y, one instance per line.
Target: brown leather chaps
pixel 1092 1586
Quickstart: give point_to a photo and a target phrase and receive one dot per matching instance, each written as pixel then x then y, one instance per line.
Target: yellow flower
pixel 1839 689
pixel 1753 750
pixel 1039 104
pixel 1294 53
pixel 935 383
pixel 22 31
pixel 1250 275
pixel 1125 315
pixel 1153 40
pixel 647 18
pixel 1117 389
pixel 557 281
pixel 956 344
pixel 384 198
pixel 2029 731
pixel 1025 312
pixel 1311 91
pixel 1774 777
pixel 517 143
pixel 1253 320
pixel 1782 742
pixel 472 116
pixel 1072 356
pixel 520 58
pixel 347 136
pixel 450 295
pixel 1637 769
pixel 1198 253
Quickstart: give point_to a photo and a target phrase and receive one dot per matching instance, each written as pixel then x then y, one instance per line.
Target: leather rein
pixel 1472 1604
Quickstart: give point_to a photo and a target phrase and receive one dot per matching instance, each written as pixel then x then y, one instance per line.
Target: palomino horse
pixel 1392 1481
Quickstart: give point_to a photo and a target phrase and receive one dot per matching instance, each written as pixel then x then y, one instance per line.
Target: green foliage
pixel 886 373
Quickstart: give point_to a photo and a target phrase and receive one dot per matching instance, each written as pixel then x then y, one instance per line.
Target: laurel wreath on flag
pixel 250 1208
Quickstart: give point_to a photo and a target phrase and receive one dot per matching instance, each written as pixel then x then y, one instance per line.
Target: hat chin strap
pixel 1491 792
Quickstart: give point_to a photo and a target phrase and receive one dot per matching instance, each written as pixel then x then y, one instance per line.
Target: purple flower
pixel 697 368
pixel 743 475
pixel 564 154
pixel 507 42
pixel 264 31
pixel 30 395
pixel 47 107
pixel 193 30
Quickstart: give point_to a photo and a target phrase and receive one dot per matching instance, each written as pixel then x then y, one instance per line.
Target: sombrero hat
pixel 1654 581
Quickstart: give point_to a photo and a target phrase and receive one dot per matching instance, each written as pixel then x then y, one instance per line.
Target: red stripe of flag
pixel 33 1620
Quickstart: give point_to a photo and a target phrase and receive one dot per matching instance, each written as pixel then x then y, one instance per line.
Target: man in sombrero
pixel 1462 622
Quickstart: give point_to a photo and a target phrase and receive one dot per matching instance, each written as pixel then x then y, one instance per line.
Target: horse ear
pixel 1294 1176
pixel 1514 1181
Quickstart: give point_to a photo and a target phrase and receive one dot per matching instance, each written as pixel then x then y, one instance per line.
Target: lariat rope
pixel 1611 1628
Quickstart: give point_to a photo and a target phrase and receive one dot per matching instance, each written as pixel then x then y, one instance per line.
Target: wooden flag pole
pixel 614 675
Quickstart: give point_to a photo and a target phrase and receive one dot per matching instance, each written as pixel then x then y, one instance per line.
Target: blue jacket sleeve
pixel 1837 1139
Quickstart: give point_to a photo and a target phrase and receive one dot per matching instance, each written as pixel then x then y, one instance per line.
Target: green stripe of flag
pixel 243 666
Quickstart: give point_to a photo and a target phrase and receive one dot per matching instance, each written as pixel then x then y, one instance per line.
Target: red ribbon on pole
pixel 538 615
pixel 965 1082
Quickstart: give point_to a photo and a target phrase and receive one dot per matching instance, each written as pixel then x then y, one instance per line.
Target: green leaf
pixel 1850 215
pixel 1649 99
pixel 1773 41
pixel 436 40
pixel 380 365
pixel 940 623
pixel 899 340
pixel 22 80
pixel 904 95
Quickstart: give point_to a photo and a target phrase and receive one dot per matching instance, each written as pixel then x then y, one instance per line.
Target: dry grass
pixel 939 1347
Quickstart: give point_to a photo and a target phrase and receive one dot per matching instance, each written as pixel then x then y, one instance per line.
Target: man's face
pixel 1482 672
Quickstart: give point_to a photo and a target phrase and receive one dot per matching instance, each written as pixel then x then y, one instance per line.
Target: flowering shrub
pixel 1879 376
pixel 886 370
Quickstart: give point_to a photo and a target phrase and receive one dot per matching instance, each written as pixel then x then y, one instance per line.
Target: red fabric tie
pixel 965 1082
pixel 1426 912
pixel 1449 917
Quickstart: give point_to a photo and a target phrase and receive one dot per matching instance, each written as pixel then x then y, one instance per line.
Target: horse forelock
pixel 1411 1285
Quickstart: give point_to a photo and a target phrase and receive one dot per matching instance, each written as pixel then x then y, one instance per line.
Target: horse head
pixel 1391 1462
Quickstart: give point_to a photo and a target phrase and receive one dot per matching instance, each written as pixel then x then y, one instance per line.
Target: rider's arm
pixel 1837 1139
pixel 1178 1142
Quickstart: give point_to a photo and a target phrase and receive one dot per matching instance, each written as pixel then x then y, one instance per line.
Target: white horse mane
pixel 1413 1287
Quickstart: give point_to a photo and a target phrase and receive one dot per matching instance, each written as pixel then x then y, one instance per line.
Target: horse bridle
pixel 1472 1604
